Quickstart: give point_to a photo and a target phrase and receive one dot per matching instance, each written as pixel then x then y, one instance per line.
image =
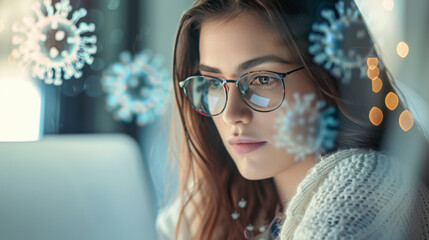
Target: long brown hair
pixel 208 176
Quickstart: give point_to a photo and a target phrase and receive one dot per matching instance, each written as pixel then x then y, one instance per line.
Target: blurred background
pixel 31 108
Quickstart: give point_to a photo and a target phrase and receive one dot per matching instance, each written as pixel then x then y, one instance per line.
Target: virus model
pixel 306 127
pixel 51 45
pixel 341 44
pixel 136 87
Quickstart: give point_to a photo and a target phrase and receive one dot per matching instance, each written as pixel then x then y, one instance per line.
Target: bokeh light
pixel 406 120
pixel 377 84
pixel 113 4
pixel 388 5
pixel 117 36
pixel 375 116
pixel 93 86
pixel 373 73
pixel 98 64
pixel 391 101
pixel 402 49
pixel 372 63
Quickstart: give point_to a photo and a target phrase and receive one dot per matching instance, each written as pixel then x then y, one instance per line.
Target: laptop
pixel 78 187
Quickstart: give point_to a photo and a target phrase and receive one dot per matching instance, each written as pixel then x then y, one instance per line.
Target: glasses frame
pixel 224 82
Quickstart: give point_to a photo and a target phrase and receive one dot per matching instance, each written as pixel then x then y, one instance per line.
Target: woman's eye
pixel 262 80
pixel 215 84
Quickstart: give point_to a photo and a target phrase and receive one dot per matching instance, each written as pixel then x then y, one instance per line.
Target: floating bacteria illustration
pixel 136 87
pixel 52 45
pixel 306 127
pixel 342 43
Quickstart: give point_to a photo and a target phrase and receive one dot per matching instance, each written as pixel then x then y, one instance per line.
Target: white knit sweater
pixel 351 194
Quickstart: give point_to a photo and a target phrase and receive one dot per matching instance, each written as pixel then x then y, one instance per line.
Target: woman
pixel 236 183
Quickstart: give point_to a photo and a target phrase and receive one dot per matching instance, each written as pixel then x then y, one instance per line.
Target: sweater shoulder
pixel 367 167
pixel 354 193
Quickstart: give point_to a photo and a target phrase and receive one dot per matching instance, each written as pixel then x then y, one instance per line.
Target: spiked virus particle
pixel 136 87
pixel 306 127
pixel 341 44
pixel 52 46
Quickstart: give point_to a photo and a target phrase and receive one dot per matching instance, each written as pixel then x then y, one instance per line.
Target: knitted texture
pixel 357 194
pixel 351 194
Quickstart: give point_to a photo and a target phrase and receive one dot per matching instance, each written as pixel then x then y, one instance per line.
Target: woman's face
pixel 225 47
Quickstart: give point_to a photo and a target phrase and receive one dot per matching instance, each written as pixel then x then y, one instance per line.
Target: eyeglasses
pixel 262 91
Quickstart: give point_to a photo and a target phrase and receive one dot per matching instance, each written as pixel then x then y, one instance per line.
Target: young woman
pixel 238 66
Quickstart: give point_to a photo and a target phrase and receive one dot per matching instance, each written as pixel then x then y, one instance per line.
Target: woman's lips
pixel 245 145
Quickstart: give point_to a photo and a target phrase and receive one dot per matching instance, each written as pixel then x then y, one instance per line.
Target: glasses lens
pixel 263 91
pixel 206 94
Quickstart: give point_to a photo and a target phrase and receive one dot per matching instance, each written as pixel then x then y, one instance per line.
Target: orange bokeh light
pixel 372 63
pixel 391 101
pixel 402 49
pixel 406 120
pixel 375 116
pixel 377 84
pixel 373 73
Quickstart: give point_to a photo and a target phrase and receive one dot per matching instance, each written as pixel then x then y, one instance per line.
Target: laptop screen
pixel 75 187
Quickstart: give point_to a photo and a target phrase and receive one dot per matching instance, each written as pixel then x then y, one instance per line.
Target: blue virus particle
pixel 51 45
pixel 306 127
pixel 342 43
pixel 136 87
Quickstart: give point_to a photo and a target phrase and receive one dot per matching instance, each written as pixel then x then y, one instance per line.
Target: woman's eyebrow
pixel 261 60
pixel 248 64
pixel 205 68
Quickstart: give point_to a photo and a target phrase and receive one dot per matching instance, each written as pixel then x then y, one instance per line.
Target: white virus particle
pixel 136 88
pixel 52 46
pixel 235 215
pixel 343 43
pixel 306 127
pixel 250 227
pixel 242 203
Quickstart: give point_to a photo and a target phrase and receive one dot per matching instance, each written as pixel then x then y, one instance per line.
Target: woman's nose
pixel 236 110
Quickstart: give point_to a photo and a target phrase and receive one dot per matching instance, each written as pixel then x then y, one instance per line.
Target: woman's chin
pixel 255 176
pixel 253 171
